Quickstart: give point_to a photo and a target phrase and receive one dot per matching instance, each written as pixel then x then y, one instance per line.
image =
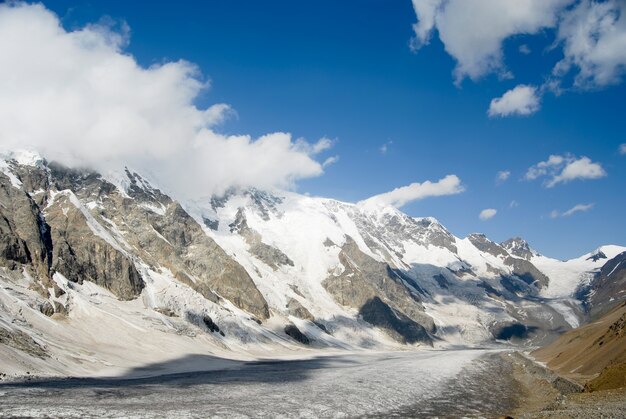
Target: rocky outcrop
pixel 293 332
pixel 364 279
pixel 396 324
pixel 518 247
pixel 527 272
pixel 296 309
pixel 270 255
pixel 79 254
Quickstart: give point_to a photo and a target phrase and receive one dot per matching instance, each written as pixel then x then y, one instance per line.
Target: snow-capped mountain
pixel 109 264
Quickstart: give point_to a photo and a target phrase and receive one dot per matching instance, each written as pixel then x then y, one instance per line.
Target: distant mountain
pixel 90 259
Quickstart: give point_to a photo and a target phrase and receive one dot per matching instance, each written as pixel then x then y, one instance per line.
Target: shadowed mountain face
pixel 254 267
pixel 607 289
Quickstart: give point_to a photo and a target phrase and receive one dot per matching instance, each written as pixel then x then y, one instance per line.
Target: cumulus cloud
pixel 473 31
pixel 399 197
pixel 503 176
pixel 77 97
pixel 571 211
pixel 521 100
pixel 622 149
pixel 487 214
pixel 593 35
pixel 563 169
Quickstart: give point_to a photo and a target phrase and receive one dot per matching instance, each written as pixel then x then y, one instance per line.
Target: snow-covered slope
pixel 567 276
pixel 123 274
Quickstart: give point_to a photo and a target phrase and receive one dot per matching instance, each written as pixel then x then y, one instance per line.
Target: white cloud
pixel 473 31
pixel 399 197
pixel 521 100
pixel 622 149
pixel 502 176
pixel 563 169
pixel 79 98
pixel 487 214
pixel 593 35
pixel 514 204
pixel 385 147
pixel 330 160
pixel 572 211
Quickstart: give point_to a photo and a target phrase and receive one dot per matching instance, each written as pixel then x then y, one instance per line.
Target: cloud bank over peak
pixel 77 97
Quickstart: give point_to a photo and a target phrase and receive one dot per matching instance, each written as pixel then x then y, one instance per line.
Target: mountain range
pixel 103 272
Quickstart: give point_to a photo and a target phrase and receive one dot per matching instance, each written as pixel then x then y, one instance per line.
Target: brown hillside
pixel 583 353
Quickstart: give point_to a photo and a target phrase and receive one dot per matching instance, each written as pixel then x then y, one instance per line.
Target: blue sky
pixel 345 71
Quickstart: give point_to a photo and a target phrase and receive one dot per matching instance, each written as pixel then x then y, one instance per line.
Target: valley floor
pixel 451 383
pixel 381 384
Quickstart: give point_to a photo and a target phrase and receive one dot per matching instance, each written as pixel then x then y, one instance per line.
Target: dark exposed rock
pixel 607 289
pixel 60 308
pixel 21 341
pixel 527 272
pixel 212 224
pixel 513 331
pixel 292 331
pixel 482 243
pixel 270 255
pixel 296 309
pixel 397 325
pixel 46 308
pixel 202 320
pixel 518 247
pixel 597 256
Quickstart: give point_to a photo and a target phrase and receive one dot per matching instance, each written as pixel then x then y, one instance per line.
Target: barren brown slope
pixel 583 353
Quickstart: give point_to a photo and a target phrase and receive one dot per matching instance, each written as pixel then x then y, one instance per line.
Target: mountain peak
pixel 519 247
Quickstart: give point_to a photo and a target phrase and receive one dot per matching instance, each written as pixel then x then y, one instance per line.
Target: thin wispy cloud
pixel 622 149
pixel 571 211
pixel 330 160
pixel 449 185
pixel 383 149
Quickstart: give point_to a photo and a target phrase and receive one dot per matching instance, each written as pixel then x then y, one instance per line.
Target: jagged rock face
pixel 364 279
pixel 483 244
pixel 518 247
pixel 23 234
pixel 92 231
pixel 527 272
pixel 80 255
pixel 270 255
pixel 295 308
pixel 399 326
